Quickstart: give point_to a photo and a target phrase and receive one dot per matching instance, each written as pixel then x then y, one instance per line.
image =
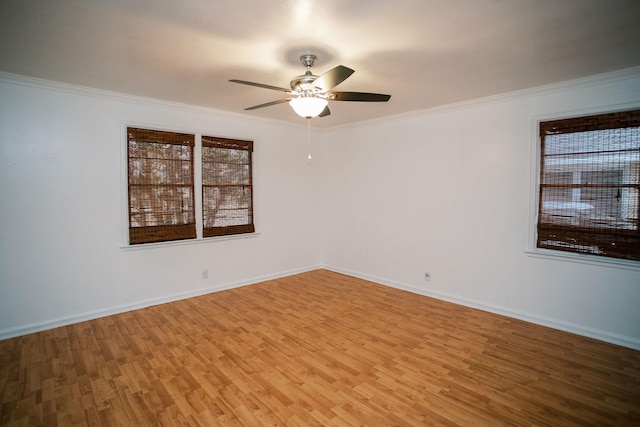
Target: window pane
pixel 151 206
pixel 589 185
pixel 226 206
pixel 227 193
pixel 161 201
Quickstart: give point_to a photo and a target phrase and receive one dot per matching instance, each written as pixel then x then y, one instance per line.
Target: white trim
pixel 197 185
pixel 103 94
pixel 69 320
pixel 550 254
pixel 186 242
pixel 617 339
pixel 625 341
pixel 628 73
pixel 550 89
pixel 124 183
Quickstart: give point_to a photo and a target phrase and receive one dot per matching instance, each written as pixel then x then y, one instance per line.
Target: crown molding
pixel 611 77
pixel 71 89
pixel 614 76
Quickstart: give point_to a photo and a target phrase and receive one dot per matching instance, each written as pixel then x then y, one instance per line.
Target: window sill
pixel 583 259
pixel 198 241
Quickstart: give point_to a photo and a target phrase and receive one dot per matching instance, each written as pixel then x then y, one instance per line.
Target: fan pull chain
pixel 309 139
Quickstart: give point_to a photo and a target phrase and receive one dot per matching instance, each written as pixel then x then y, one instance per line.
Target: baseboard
pixel 621 340
pixel 82 317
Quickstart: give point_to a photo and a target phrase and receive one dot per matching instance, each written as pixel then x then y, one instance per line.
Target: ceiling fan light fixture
pixel 308 106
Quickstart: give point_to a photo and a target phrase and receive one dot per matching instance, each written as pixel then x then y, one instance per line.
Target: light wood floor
pixel 318 348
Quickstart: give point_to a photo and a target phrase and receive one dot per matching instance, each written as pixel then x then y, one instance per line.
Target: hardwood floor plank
pixel 315 349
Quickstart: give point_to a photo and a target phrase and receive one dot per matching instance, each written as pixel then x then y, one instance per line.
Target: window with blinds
pixel 589 182
pixel 160 187
pixel 227 186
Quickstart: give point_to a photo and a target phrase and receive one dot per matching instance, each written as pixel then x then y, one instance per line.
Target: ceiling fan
pixel 309 94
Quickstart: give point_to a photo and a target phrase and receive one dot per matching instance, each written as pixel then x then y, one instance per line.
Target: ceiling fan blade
pixel 332 78
pixel 358 96
pixel 324 112
pixel 244 82
pixel 269 104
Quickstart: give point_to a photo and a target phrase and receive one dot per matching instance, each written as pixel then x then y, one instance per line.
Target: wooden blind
pixel 227 186
pixel 589 185
pixel 161 201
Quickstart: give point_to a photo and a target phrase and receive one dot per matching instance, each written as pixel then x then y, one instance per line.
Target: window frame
pixel 532 249
pixel 197 183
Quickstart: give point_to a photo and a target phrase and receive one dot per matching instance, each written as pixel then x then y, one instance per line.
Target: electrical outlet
pixel 205 274
pixel 427 276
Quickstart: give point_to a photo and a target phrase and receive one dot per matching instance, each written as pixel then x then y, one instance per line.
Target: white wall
pixel 61 207
pixel 448 192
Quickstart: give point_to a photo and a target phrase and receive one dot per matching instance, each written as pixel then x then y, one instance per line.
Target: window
pixel 227 193
pixel 161 203
pixel 589 182
pixel 160 190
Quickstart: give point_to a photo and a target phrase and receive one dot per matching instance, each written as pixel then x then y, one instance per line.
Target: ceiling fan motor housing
pixel 303 83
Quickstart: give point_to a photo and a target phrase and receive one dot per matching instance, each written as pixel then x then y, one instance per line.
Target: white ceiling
pixel 424 53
